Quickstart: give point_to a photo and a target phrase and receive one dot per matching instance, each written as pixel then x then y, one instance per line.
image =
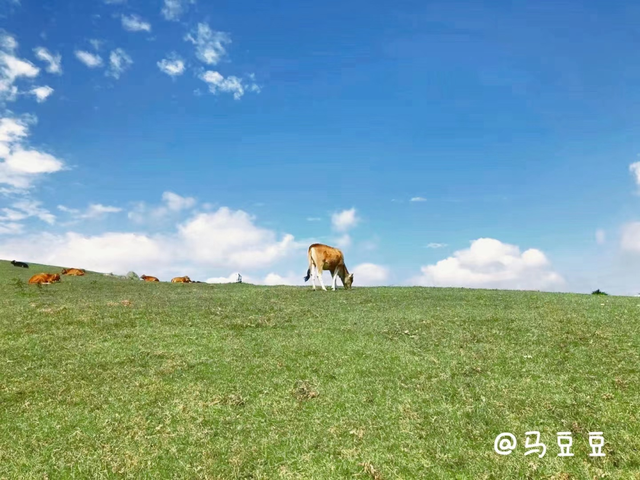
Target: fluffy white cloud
pixel 54 61
pixel 19 165
pixel 133 23
pixel 289 279
pixel 370 274
pixel 210 44
pixel 174 9
pixel 218 83
pixel 91 60
pixel 224 239
pixel 634 168
pixel 42 93
pixel 12 68
pixel 601 237
pixel 489 263
pixel 344 220
pixel 418 199
pixel 173 65
pixel 436 245
pixel 119 61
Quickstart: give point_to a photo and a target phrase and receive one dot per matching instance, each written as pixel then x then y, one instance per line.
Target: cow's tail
pixel 308 269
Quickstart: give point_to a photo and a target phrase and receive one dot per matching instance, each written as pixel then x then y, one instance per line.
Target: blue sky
pixel 176 137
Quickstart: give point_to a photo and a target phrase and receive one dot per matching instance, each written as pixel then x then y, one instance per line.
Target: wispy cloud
pixel 94 210
pixel 12 68
pixel 133 23
pixel 174 9
pixel 91 60
pixel 54 61
pixel 418 199
pixel 436 245
pixel 601 237
pixel 42 93
pixel 210 44
pixel 172 204
pixel 119 61
pixel 173 65
pixel 231 84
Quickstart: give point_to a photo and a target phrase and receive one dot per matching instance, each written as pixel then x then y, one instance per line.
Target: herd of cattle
pixel 321 257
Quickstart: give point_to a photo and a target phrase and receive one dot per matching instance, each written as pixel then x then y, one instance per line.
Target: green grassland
pixel 108 378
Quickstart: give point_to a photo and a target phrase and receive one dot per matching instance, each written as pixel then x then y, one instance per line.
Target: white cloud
pixel 54 61
pixel 436 245
pixel 174 9
pixel 233 278
pixel 19 165
pixel 210 44
pixel 418 199
pixel 601 237
pixel 634 168
pixel 489 263
pixel 176 202
pixel 12 68
pixel 218 83
pixel 94 210
pixel 630 240
pixel 91 60
pixel 113 2
pixel 11 228
pixel 173 65
pixel 24 209
pixel 224 239
pixel 370 274
pixel 42 93
pixel 289 279
pixel 344 241
pixel 119 61
pixel 133 23
pixel 172 203
pixel 344 220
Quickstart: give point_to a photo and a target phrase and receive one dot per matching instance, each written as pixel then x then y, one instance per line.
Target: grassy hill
pixel 102 377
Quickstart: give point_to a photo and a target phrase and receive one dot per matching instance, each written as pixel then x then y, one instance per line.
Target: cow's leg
pixel 319 270
pixel 313 276
pixel 335 279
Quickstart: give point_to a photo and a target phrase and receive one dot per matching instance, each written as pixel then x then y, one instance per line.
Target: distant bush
pixel 598 292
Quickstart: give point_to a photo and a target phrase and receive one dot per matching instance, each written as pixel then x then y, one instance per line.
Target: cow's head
pixel 55 277
pixel 348 281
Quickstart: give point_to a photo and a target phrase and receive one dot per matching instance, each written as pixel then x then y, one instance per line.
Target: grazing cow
pixel 323 257
pixel 181 280
pixel 147 278
pixel 45 278
pixel 73 272
pixel 19 264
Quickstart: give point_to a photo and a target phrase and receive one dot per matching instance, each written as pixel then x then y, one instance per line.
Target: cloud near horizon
pixel 489 263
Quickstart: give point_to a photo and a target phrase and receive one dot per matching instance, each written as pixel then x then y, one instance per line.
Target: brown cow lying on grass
pixel 181 280
pixel 147 278
pixel 73 272
pixel 45 278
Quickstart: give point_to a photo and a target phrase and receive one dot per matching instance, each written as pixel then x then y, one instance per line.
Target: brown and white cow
pixel 181 280
pixel 45 278
pixel 73 272
pixel 147 278
pixel 323 257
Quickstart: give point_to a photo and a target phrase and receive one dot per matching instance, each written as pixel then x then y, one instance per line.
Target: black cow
pixel 19 264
